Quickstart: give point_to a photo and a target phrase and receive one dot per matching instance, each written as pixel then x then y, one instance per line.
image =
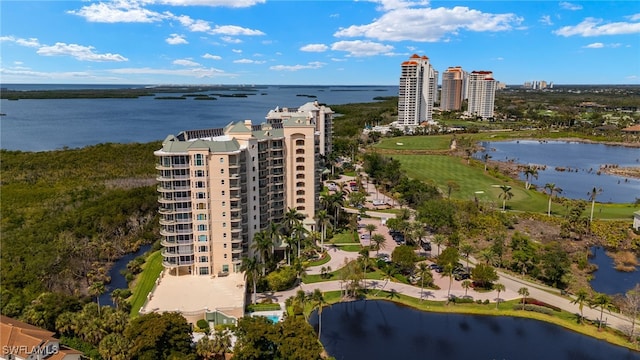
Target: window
pixel 300 151
pixel 300 168
pixel 224 203
pixel 202 227
pixel 300 184
pixel 201 216
pixel 299 159
pixel 201 206
pixel 199 173
pixel 300 176
pixel 204 259
pixel 202 237
pixel 224 245
pixel 224 214
pixel 222 182
pixel 204 271
pixel 221 160
pixel 198 159
pixel 221 171
pixel 300 192
pixel 300 200
pixel 299 142
pixel 199 184
pixel 222 192
pixel 225 268
pixel 225 256
pixel 224 224
pixel 202 248
pixel 224 235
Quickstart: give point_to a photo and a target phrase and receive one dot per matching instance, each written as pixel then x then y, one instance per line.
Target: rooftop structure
pixel 21 341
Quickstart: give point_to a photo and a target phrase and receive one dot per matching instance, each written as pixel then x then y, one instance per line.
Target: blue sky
pixel 315 42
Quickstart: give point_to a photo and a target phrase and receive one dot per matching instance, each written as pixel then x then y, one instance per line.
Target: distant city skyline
pixel 315 42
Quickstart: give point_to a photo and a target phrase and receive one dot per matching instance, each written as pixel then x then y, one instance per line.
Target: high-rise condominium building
pixel 417 92
pixel 219 187
pixel 453 88
pixel 482 93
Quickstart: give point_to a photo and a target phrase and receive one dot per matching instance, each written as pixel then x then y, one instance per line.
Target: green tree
pixel 466 250
pixel 405 257
pixel 448 260
pixel 96 289
pixel 159 336
pixel 484 275
pixel 323 219
pixel 114 346
pixel 505 195
pixel 251 269
pixel 529 173
pixel 425 274
pixel 257 338
pixel 555 264
pixel 582 297
pixel 631 306
pixel 378 241
pixel 263 245
pixel 364 258
pixel 317 301
pixel 551 189
pixel 451 187
pixel 296 340
pixel 485 159
pixel 499 288
pixel 466 284
pixel 439 240
pixel 602 301
pixel 524 292
pixel 592 196
pixel 370 228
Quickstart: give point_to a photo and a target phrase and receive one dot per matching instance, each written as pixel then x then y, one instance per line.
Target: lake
pixel 384 330
pixel 118 281
pixel 50 124
pixel 583 159
pixel 607 279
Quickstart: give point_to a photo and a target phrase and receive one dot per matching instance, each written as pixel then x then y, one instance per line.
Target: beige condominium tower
pixel 454 87
pixel 219 187
pixel 417 91
pixel 482 93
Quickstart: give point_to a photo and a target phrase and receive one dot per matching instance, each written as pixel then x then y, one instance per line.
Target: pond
pixel 118 280
pixel 573 166
pixel 607 279
pixel 384 330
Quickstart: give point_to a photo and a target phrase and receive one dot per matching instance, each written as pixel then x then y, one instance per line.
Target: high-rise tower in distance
pixel 418 86
pixel 482 93
pixel 454 86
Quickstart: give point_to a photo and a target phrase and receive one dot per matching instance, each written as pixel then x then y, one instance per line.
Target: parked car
pixel 461 276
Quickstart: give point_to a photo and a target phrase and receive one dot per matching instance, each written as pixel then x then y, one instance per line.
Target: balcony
pixel 169 243
pixel 169 254
pixel 174 232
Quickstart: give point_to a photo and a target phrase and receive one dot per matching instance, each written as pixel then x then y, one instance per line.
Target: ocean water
pixel 50 124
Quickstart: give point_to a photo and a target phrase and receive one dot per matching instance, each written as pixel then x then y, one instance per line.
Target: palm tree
pixel 275 234
pixel 465 250
pixel 439 240
pixel 530 172
pixel 318 301
pixel 466 284
pixel 499 288
pixel 388 273
pixel 378 241
pixel 251 268
pixel 424 272
pixel 364 253
pixel 223 343
pixel 300 232
pixel 486 158
pixel 292 218
pixel 524 292
pixel 505 195
pixel 602 301
pixel 205 348
pixel 323 219
pixel 370 228
pixel 592 196
pixel 551 188
pixel 262 244
pixel 581 298
pixel 96 289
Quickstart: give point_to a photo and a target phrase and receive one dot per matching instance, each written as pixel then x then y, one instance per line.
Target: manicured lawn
pixel 145 280
pixel 325 259
pixel 435 142
pixel 345 237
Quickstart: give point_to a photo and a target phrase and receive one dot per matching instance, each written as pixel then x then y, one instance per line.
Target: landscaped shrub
pixel 531 301
pixel 281 279
pixel 263 307
pixel 486 302
pixel 459 300
pixel 534 308
pixel 203 325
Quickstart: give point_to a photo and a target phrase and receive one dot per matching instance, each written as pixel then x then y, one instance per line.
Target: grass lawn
pixel 323 260
pixel 345 237
pixel 145 280
pixel 436 142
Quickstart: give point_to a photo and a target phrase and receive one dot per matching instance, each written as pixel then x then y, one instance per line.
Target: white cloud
pixel 338 59
pixel 234 30
pixel 175 39
pixel 118 11
pixel 248 61
pixel 429 24
pixel 499 58
pixel 193 25
pixel 546 19
pixel 359 48
pixel 314 48
pixel 591 27
pixel 311 65
pixel 634 17
pixel 237 51
pixel 186 62
pixel 599 45
pixel 226 3
pixel 32 42
pixel 398 4
pixel 569 6
pixel 230 40
pixel 212 57
pixel 79 52
pixel 199 72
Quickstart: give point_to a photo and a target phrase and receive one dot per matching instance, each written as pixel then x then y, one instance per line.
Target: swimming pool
pixel 274 318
